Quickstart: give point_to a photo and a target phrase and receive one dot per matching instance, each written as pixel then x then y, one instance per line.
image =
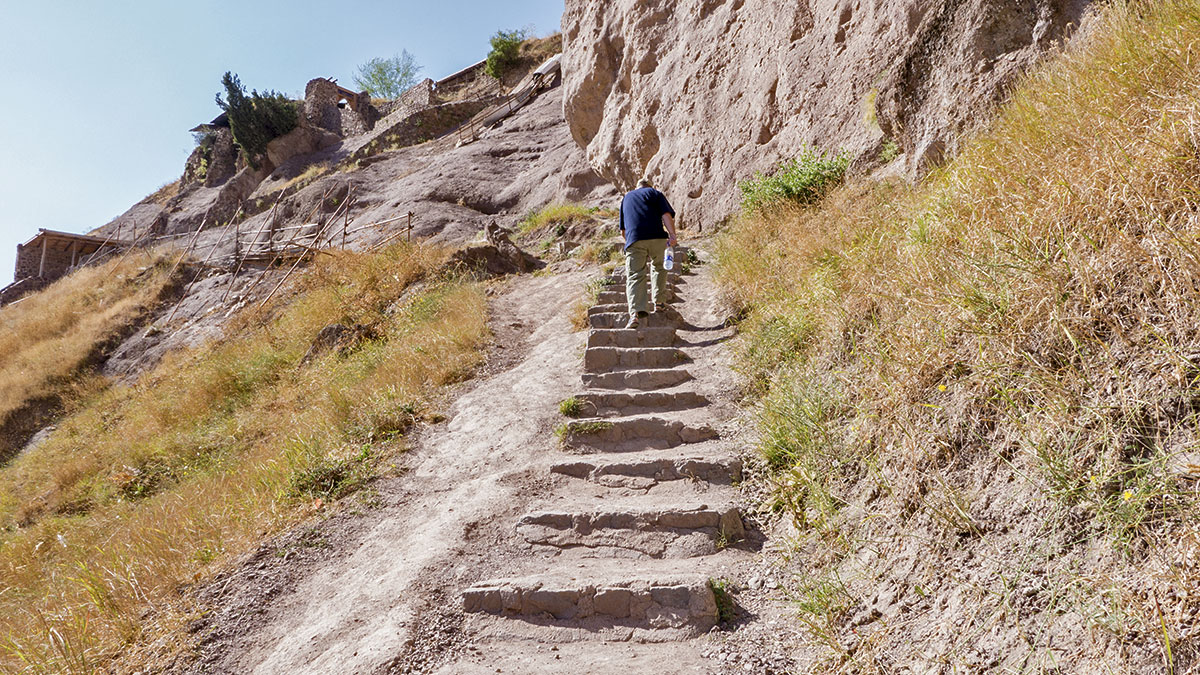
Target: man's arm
pixel 669 223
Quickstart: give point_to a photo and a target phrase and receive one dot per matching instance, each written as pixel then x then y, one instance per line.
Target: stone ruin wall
pixel 421 126
pixel 321 97
pixel 29 259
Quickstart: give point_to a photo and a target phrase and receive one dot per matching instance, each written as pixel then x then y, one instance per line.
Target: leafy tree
pixel 256 119
pixel 388 78
pixel 505 47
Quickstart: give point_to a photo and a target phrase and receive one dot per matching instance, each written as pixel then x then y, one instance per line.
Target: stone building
pixel 50 255
pixel 337 109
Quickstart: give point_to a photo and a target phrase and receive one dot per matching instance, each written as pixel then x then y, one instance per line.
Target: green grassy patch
pixel 803 180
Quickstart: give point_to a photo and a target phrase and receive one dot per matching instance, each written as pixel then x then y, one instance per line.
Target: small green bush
pixel 506 45
pixel 330 477
pixel 256 119
pixel 889 151
pixel 726 607
pixel 571 407
pixel 556 214
pixel 803 180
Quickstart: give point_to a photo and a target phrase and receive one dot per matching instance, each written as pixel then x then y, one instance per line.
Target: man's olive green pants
pixel 640 255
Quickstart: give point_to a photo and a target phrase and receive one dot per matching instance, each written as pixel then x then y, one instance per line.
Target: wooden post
pixel 410 215
pixel 271 232
pixel 74 248
pixel 42 264
pixel 346 218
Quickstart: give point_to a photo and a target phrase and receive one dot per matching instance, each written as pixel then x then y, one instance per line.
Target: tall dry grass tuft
pixel 144 487
pixel 1030 308
pixel 46 338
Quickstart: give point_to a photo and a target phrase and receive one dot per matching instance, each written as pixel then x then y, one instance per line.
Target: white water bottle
pixel 669 259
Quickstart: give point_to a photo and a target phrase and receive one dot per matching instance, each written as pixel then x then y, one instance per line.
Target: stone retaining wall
pixel 29 260
pixel 422 126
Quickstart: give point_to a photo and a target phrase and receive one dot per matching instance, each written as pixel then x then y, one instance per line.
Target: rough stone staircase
pixel 627 550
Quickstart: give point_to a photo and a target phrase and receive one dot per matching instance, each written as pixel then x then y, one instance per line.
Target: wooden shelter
pixel 50 254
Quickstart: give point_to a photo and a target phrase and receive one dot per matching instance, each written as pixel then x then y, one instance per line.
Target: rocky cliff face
pixel 699 94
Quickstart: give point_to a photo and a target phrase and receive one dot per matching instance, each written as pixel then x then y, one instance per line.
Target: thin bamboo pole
pixel 277 256
pixel 200 270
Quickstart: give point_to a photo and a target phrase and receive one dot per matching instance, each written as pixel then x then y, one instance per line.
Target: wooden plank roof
pixel 64 240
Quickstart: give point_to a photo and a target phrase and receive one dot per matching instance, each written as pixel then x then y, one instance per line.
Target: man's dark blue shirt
pixel 641 215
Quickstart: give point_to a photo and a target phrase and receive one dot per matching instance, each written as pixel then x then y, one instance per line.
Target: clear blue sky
pixel 98 96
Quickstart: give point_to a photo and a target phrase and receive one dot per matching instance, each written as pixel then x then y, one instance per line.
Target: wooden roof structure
pixel 219 122
pixel 79 245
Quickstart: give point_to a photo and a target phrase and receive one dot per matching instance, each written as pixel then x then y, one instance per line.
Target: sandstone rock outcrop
pixel 701 94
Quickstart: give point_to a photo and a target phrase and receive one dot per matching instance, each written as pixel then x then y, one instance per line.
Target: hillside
pixel 923 399
pixel 974 397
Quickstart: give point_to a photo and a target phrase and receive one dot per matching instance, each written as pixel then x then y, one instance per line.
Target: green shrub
pixel 726 607
pixel 558 214
pixel 889 151
pixel 256 119
pixel 506 45
pixel 803 180
pixel 388 78
pixel 571 407
pixel 331 477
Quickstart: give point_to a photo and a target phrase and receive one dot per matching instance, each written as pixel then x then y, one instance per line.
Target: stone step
pixel 607 359
pixel 632 434
pixel 615 295
pixel 629 338
pixel 613 404
pixel 619 319
pixel 643 380
pixel 645 471
pixel 621 308
pixel 683 531
pixel 612 650
pixel 611 604
pixel 618 274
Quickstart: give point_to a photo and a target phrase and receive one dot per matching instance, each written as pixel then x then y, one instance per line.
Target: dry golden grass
pixel 144 487
pixel 557 218
pixel 307 176
pixel 47 337
pixel 164 194
pixel 532 53
pixel 1035 300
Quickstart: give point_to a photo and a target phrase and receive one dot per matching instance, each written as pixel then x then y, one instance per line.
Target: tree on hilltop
pixel 256 119
pixel 506 45
pixel 388 78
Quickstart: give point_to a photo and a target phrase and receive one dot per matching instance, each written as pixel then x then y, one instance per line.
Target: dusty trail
pixel 504 549
pixel 354 614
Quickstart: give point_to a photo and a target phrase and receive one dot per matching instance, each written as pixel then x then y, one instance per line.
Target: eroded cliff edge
pixel 703 93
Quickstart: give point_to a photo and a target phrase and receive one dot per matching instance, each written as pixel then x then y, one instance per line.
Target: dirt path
pixel 506 549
